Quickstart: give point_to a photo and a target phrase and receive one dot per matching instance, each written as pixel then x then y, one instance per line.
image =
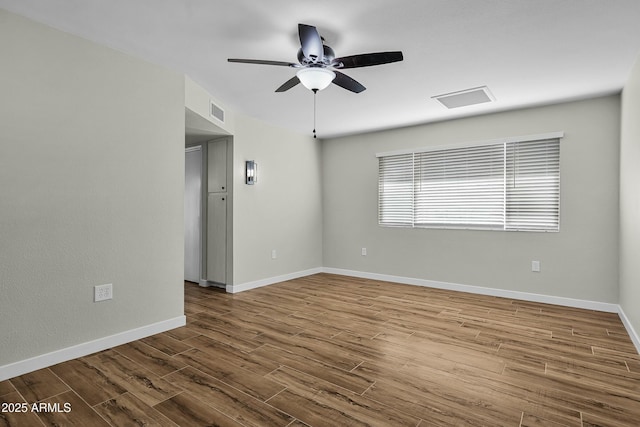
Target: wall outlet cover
pixel 102 292
pixel 535 266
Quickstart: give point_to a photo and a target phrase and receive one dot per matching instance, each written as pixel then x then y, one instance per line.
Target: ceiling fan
pixel 318 67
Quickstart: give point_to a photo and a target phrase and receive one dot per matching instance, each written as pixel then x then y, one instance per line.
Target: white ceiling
pixel 528 52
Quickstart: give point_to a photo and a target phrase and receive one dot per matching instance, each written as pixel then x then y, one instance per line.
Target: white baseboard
pixel 208 284
pixel 271 280
pixel 525 296
pixel 29 365
pixel 630 330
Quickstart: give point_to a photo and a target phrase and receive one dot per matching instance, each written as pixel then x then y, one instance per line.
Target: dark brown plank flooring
pixel 328 350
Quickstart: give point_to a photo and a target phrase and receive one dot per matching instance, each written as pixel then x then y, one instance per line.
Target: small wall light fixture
pixel 251 172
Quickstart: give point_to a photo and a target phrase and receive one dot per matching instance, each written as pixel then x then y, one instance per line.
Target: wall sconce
pixel 251 172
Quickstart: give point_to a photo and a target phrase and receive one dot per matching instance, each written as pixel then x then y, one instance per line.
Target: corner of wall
pixel 629 229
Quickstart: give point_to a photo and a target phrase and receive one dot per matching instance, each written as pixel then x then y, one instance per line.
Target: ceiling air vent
pixel 217 112
pixel 463 98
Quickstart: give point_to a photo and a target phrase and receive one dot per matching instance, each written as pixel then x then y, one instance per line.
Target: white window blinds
pixel 462 187
pixel 395 190
pixel 533 185
pixel 513 185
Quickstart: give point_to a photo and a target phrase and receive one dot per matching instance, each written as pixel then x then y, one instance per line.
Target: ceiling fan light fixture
pixel 315 78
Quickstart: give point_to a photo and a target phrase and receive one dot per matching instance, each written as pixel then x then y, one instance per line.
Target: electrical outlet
pixel 364 252
pixel 535 266
pixel 274 254
pixel 102 292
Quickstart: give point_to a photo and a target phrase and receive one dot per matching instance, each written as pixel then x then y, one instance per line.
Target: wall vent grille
pixel 217 112
pixel 464 98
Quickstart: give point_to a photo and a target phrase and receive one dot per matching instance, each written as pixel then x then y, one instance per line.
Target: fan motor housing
pixel 328 57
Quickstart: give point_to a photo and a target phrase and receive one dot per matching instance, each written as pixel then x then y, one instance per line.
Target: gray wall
pixel 91 190
pixel 283 210
pixel 581 261
pixel 630 199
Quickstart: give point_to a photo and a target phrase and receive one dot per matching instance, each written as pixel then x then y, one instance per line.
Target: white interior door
pixel 192 209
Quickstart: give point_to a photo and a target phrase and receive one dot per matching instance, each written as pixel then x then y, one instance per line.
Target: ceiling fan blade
pixel 288 84
pixel 347 82
pixel 310 42
pixel 260 61
pixel 367 59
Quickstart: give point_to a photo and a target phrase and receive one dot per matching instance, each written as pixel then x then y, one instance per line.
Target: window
pixel 509 185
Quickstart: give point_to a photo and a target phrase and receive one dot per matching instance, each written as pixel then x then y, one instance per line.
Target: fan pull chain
pixel 315 92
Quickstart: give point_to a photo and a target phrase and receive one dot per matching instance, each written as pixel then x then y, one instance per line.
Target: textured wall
pixel 91 190
pixel 581 261
pixel 630 199
pixel 283 210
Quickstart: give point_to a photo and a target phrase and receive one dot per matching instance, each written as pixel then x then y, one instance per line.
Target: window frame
pixel 410 221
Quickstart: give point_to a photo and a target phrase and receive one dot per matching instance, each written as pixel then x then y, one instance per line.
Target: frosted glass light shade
pixel 315 78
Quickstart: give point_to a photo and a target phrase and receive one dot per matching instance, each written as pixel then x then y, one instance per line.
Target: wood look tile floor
pixel 334 351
